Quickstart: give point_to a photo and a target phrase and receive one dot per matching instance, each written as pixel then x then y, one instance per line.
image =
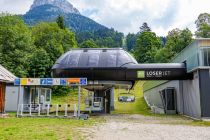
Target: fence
pixel 47 110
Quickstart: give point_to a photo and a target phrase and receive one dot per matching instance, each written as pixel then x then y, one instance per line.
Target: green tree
pixel 203 25
pixel 177 40
pixel 88 44
pixel 53 40
pixel 203 18
pixel 164 55
pixel 16 44
pixel 60 21
pixel 39 64
pixel 102 37
pixel 144 28
pixel 203 31
pixel 146 47
pixel 130 41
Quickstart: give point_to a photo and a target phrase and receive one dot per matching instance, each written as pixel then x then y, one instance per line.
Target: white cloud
pixel 127 15
pixel 15 6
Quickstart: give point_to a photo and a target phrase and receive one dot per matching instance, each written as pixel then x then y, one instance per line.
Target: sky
pixel 128 15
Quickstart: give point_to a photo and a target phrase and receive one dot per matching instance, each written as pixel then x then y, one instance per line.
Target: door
pixel 34 96
pixel 168 97
pixel 2 97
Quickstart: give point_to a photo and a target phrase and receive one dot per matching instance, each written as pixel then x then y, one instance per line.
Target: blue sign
pixel 43 81
pixel 83 81
pixel 17 82
pixel 49 81
pixel 63 82
pixel 46 81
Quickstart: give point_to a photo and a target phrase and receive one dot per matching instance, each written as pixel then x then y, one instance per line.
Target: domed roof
pixel 93 58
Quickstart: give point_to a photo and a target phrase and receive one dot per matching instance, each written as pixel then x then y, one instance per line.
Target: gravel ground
pixel 137 127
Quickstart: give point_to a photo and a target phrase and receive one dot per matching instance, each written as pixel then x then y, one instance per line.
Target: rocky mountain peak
pixel 64 5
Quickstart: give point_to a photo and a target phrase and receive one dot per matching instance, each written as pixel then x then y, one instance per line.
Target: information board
pixel 51 81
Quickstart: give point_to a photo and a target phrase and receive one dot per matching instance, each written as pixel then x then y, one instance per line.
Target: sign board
pixel 73 81
pixel 51 81
pixel 33 81
pixel 17 82
pixel 83 81
pixel 46 81
pixel 56 81
pixel 23 81
pixel 63 82
pixel 140 74
pixel 153 73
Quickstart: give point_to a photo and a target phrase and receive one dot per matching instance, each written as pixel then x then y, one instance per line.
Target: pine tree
pixel 60 21
pixel 145 28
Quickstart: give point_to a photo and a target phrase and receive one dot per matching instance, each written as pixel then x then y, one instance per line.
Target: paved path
pixel 137 127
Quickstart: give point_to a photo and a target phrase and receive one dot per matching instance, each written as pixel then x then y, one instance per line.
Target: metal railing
pixel 47 110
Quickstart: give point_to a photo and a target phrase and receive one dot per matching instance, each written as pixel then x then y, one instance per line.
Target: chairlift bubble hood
pixel 114 64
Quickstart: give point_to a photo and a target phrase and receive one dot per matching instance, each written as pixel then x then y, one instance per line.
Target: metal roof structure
pixel 6 76
pixel 102 57
pixel 113 64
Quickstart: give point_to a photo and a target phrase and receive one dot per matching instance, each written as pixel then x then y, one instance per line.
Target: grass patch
pixel 200 123
pixel 43 128
pixel 71 99
pixel 137 107
pixel 151 84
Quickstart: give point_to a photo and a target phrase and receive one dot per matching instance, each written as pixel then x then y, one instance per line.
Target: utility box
pixel 168 96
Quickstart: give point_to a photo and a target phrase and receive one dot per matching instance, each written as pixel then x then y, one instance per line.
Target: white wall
pixel 153 96
pixel 11 98
pixel 191 96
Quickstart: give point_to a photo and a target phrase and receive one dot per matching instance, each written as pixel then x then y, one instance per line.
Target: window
pixel 48 95
pixel 73 59
pixel 206 56
pixel 93 60
pixel 42 96
pixel 112 59
pixel 34 96
pixel 123 58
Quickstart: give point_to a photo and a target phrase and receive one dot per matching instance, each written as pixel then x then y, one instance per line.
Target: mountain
pixel 62 4
pixel 49 10
pixel 84 27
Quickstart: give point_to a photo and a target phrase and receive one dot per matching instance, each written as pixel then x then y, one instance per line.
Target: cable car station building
pixel 190 97
pixel 106 68
pixel 181 86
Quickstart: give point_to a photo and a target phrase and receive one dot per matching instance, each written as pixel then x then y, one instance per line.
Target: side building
pixel 190 97
pixel 6 77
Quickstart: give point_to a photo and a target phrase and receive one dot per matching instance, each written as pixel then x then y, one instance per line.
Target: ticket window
pixel 45 96
pixel 41 96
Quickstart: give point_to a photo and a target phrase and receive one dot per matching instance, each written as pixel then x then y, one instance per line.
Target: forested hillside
pixel 31 52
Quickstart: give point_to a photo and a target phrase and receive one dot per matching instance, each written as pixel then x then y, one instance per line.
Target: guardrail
pixel 47 110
